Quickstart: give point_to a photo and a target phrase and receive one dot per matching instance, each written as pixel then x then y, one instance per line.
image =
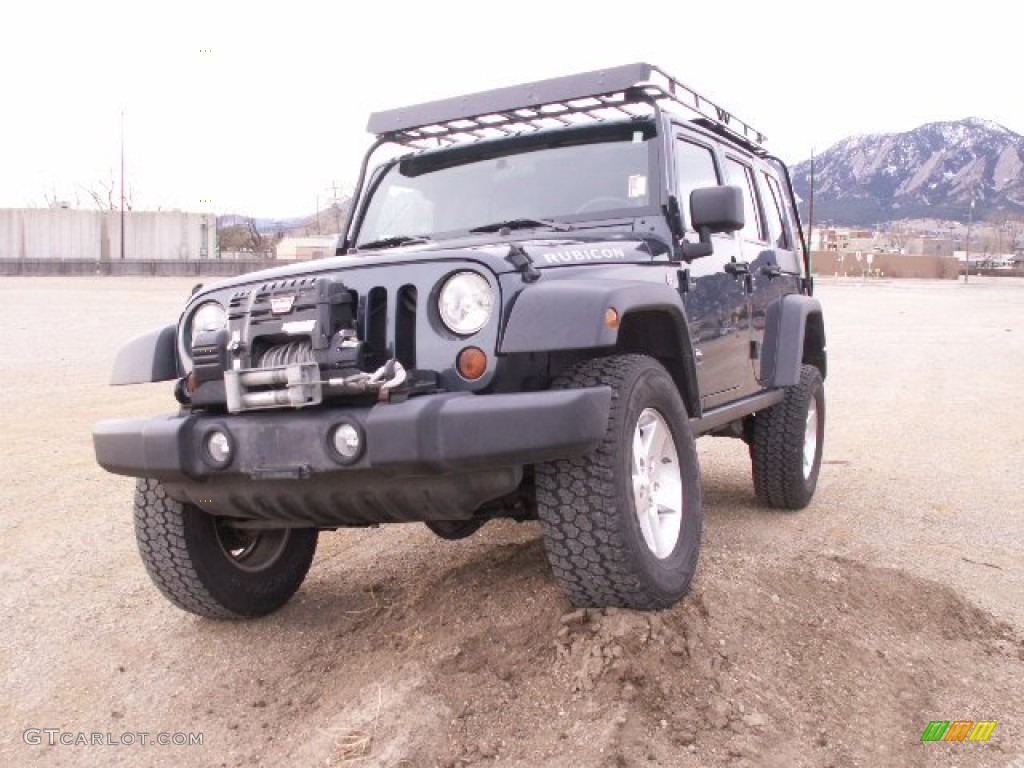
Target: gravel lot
pixel 829 637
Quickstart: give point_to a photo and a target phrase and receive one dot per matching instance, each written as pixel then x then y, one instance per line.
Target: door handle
pixel 736 268
pixel 771 271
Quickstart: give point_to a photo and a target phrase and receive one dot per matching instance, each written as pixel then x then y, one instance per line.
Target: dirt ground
pixel 828 637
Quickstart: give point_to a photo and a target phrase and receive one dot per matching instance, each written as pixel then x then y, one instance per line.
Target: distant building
pixel 841 239
pixel 929 246
pixel 306 248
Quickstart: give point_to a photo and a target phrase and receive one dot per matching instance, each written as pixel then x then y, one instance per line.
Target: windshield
pixel 532 178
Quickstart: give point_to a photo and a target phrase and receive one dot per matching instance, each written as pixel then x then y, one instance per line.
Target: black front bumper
pixel 431 457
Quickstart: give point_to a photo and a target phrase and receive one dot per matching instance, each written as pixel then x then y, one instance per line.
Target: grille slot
pixel 405 326
pixel 376 319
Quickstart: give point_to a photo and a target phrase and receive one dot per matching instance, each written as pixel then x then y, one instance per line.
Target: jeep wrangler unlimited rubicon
pixel 537 303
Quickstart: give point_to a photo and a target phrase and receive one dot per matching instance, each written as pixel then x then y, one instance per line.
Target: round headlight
pixel 209 317
pixel 465 302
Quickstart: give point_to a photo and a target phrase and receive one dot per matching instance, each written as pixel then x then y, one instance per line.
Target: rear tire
pixel 787 443
pixel 204 565
pixel 622 525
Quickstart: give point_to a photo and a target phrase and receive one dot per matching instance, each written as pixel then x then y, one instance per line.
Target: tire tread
pixel 585 543
pixel 777 448
pixel 160 535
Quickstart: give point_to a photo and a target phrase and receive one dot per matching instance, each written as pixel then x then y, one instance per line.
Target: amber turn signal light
pixel 471 363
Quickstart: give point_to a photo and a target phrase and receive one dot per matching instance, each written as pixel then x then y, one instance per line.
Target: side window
pixel 739 175
pixel 695 168
pixel 778 231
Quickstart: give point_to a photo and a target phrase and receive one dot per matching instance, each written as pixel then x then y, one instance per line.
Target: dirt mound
pixel 815 662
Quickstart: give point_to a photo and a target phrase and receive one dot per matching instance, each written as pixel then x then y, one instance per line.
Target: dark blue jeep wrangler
pixel 537 304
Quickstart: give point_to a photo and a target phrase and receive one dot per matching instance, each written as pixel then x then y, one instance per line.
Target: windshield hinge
pixel 520 259
pixel 684 282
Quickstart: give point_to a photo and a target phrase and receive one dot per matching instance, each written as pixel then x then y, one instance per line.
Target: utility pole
pixel 122 184
pixel 967 254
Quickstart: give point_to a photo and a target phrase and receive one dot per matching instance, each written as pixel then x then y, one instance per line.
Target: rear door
pixel 756 253
pixel 776 271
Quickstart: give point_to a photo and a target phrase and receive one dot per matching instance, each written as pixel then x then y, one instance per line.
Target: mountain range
pixel 933 171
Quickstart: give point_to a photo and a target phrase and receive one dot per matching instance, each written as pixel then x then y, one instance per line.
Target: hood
pixel 551 250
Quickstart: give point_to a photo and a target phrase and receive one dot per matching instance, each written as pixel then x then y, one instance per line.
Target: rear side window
pixel 695 168
pixel 778 230
pixel 739 175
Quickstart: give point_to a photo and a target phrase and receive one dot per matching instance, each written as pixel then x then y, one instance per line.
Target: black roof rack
pixel 632 90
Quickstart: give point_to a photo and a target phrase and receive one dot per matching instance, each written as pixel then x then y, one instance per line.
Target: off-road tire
pixel 586 506
pixel 183 551
pixel 777 448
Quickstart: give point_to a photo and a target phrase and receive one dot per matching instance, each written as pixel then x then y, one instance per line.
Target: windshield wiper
pixel 523 224
pixel 391 242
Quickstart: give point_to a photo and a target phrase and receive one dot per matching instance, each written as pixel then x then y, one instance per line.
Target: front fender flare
pixel 570 314
pixel 151 356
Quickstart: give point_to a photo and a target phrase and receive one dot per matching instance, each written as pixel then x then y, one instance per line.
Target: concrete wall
pixel 827 263
pixel 66 234
pixel 50 234
pixel 158 268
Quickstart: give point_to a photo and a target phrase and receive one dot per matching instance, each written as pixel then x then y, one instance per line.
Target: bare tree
pixel 255 236
pixel 104 197
pixel 244 235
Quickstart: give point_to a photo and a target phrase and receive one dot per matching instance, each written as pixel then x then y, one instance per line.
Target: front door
pixel 717 303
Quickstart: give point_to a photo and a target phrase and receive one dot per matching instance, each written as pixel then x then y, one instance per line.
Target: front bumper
pixel 431 457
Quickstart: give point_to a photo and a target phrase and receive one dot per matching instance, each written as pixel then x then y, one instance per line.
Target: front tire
pixel 622 525
pixel 204 565
pixel 454 530
pixel 787 443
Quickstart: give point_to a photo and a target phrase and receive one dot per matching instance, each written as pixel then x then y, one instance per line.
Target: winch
pixel 287 344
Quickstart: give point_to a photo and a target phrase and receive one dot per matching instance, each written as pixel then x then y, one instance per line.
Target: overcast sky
pixel 232 108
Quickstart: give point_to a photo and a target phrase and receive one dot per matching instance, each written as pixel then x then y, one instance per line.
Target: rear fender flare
pixel 786 340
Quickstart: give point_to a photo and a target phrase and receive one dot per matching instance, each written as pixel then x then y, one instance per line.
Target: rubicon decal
pixel 958 730
pixel 583 254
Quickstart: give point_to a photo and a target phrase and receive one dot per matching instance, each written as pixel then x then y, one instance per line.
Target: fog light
pixel 471 363
pixel 347 442
pixel 218 448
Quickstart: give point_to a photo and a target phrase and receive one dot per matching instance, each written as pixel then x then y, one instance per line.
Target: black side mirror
pixel 713 210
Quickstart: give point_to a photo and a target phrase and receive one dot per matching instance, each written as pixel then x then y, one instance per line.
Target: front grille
pixel 388 309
